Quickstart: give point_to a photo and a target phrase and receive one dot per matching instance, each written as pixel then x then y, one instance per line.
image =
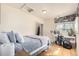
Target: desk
pixel 72 40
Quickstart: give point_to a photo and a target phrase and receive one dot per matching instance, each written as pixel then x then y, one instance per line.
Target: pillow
pixel 4 38
pixel 19 38
pixel 32 36
pixel 11 36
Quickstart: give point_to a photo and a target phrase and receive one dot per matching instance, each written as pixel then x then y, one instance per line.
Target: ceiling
pixel 53 9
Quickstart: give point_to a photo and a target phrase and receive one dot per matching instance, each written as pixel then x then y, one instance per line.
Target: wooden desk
pixel 22 53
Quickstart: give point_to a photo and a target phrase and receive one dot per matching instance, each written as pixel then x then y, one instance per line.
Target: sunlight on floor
pixel 56 50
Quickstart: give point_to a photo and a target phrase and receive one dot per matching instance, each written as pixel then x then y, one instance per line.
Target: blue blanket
pixel 31 44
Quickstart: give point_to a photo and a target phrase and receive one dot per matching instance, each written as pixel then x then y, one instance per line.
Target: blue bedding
pixel 31 44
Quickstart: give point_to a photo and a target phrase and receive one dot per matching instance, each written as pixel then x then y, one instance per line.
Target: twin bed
pixel 33 44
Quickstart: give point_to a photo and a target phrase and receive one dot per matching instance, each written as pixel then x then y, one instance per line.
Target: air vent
pixel 27 8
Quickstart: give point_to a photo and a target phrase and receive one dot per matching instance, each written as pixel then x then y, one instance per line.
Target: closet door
pixel 41 29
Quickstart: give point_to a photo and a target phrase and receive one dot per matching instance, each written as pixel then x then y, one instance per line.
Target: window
pixel 65 26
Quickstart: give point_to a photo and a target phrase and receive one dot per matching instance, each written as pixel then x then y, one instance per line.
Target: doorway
pixel 39 29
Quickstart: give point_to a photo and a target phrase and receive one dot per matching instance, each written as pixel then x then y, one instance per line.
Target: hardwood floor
pixel 56 50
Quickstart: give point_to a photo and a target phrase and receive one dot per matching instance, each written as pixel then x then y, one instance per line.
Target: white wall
pixel 48 26
pixel 77 34
pixel 17 20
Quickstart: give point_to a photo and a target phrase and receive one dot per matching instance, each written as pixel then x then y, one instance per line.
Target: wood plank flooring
pixel 56 50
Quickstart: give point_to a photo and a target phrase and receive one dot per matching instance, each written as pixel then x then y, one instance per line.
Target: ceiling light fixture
pixel 44 11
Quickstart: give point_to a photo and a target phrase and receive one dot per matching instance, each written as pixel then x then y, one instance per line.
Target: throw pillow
pixel 19 38
pixel 4 38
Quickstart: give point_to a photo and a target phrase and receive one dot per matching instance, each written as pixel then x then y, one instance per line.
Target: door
pixel 39 29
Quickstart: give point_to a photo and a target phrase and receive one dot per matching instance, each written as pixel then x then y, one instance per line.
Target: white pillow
pixel 32 36
pixel 19 37
pixel 4 38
